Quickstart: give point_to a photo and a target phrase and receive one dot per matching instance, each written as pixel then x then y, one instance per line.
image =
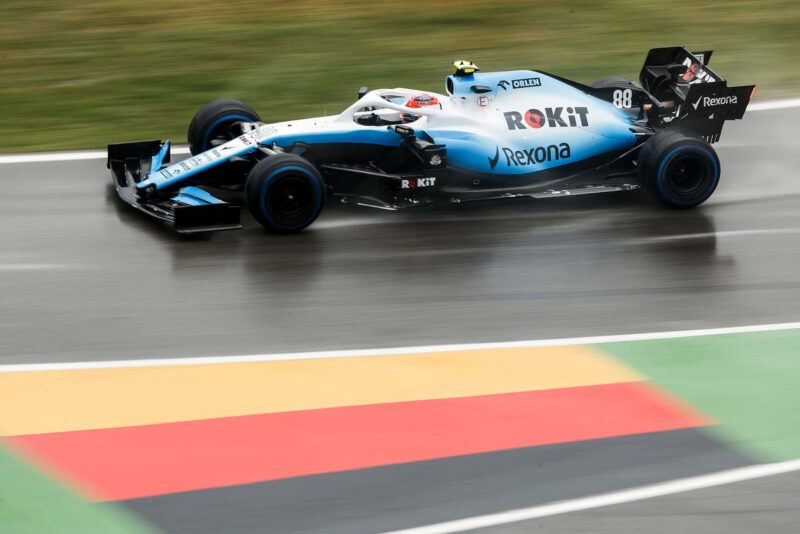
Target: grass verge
pixel 746 382
pixel 82 74
pixel 32 503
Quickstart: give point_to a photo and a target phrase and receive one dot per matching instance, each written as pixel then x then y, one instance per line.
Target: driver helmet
pixel 421 100
pixel 418 101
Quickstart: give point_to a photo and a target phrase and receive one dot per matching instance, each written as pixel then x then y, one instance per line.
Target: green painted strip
pixel 750 383
pixel 32 503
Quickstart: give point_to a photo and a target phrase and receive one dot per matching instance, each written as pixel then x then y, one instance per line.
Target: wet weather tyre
pixel 284 193
pixel 215 123
pixel 679 170
pixel 613 81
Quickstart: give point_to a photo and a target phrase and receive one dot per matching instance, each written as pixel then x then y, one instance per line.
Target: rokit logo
pixel 531 156
pixel 521 83
pixel 553 117
pixel 417 183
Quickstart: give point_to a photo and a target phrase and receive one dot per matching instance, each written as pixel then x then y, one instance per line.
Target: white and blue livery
pixel 490 135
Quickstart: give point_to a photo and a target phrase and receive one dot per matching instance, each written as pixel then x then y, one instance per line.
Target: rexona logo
pixel 520 84
pixel 531 156
pixel 415 183
pixel 710 102
pixel 552 117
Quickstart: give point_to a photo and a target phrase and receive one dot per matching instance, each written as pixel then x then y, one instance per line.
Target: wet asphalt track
pixel 764 505
pixel 85 278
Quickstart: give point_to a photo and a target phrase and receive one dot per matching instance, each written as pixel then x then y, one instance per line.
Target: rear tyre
pixel 679 170
pixel 216 123
pixel 613 81
pixel 284 193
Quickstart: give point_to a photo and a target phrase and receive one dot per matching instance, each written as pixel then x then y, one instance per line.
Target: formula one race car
pixel 501 134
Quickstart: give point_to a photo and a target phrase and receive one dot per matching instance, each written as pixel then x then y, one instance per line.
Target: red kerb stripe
pixel 124 463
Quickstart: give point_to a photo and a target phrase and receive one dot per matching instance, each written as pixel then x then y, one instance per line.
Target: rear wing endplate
pixel 703 100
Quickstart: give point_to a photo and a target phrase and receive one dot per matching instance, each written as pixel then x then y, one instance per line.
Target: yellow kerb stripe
pixel 54 401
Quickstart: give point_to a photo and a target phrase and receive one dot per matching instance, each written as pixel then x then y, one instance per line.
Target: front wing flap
pixel 188 210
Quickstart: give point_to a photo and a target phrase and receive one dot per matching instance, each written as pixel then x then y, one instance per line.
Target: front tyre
pixel 679 170
pixel 284 193
pixel 216 123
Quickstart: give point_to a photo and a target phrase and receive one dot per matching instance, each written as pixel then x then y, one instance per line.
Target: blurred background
pixel 91 293
pixel 96 71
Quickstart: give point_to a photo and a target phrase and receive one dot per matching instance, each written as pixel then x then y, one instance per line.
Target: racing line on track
pixel 316 355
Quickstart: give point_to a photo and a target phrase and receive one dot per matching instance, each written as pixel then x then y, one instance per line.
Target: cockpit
pixel 387 116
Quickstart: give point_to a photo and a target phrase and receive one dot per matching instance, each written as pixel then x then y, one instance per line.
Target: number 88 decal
pixel 622 98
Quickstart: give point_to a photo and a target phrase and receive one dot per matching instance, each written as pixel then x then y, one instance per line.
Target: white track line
pixel 769 105
pixel 101 154
pixel 11 267
pixel 721 233
pixel 205 360
pixel 608 499
pixel 69 156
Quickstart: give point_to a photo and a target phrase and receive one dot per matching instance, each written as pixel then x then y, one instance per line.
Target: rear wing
pixel 703 101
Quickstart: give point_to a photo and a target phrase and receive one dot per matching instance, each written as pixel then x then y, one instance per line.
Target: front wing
pixel 189 209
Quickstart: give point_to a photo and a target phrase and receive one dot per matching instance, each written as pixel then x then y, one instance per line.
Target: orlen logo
pixel 553 117
pixel 531 156
pixel 520 83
